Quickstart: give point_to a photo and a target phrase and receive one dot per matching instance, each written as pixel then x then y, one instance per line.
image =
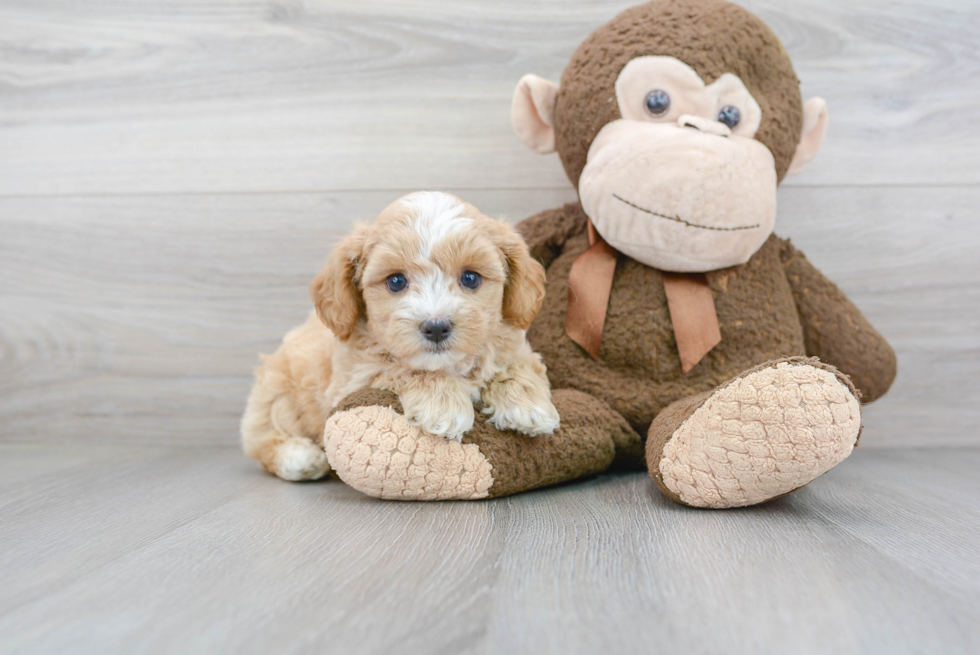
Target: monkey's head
pixel 676 121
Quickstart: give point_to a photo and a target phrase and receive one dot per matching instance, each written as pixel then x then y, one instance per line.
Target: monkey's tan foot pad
pixel 374 449
pixel 764 434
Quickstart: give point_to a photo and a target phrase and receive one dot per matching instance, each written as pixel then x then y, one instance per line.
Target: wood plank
pixel 73 510
pixel 121 96
pixel 140 317
pixel 717 581
pixel 878 555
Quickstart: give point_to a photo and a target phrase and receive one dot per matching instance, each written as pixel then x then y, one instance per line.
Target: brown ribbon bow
pixel 689 299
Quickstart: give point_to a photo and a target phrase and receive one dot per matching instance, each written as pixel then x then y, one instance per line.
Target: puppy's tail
pixel 272 431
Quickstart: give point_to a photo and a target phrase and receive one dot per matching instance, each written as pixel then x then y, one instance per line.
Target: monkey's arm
pixel 835 330
pixel 547 232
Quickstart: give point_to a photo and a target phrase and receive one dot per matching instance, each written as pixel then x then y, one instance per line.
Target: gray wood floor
pixel 118 549
pixel 173 173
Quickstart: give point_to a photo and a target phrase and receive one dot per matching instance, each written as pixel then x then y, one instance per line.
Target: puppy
pixel 431 301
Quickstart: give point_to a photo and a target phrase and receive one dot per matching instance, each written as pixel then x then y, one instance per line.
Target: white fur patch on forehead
pixel 435 216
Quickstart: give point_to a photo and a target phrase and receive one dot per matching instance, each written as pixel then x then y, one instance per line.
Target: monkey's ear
pixel 814 130
pixel 334 291
pixel 532 113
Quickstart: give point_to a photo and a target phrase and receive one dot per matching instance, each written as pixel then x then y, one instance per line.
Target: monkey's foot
pixel 763 434
pixel 374 449
pixel 378 452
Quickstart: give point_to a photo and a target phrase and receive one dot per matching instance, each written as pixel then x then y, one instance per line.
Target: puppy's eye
pixel 471 280
pixel 396 282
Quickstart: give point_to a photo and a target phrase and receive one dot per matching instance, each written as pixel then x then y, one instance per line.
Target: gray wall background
pixel 172 175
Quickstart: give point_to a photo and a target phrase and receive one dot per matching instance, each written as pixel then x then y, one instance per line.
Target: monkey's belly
pixel 639 371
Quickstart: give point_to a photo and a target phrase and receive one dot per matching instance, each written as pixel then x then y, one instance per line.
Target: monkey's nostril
pixel 436 330
pixel 690 121
pixel 703 125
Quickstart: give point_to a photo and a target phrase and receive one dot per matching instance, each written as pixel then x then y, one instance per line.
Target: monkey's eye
pixel 657 102
pixel 730 116
pixel 396 282
pixel 471 280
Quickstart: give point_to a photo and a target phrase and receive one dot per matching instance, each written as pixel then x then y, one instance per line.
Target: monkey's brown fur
pixel 776 305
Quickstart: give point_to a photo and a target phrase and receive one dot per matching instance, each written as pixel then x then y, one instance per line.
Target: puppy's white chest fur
pixel 511 382
pixel 355 369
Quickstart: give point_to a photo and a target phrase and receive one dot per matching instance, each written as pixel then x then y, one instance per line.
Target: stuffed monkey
pixel 679 332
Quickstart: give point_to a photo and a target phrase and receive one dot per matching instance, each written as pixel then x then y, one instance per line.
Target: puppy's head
pixel 431 280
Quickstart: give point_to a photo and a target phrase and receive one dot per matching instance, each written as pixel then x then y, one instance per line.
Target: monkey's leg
pixel 374 449
pixel 763 434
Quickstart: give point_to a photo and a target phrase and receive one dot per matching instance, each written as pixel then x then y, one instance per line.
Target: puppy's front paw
pixel 450 416
pixel 534 420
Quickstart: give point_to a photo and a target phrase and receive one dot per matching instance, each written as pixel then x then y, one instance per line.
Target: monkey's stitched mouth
pixel 687 223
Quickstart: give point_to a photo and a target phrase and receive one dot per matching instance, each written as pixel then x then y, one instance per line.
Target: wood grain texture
pixel 160 550
pixel 122 96
pixel 141 317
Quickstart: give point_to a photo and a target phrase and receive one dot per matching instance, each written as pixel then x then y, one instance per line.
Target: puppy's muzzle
pixel 436 330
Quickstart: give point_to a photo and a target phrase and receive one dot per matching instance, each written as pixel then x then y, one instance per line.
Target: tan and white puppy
pixel 430 301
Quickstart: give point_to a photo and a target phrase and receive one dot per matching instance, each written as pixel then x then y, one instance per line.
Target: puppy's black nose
pixel 436 330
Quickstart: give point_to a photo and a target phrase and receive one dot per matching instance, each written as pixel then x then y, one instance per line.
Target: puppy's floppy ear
pixel 334 290
pixel 524 288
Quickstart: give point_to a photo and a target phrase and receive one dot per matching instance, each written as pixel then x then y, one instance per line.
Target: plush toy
pixel 679 333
